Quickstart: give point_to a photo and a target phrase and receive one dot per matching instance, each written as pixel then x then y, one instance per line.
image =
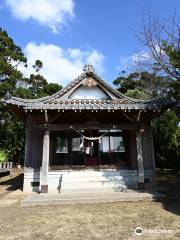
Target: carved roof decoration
pixel 61 99
pixel 89 82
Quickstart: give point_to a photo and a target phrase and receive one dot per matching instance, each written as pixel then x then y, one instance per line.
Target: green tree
pixel 51 88
pixel 12 81
pixel 162 39
pixel 10 57
pixel 136 94
pixel 141 85
pixel 37 86
pixel 166 132
pixel 36 81
pixel 166 140
pixel 12 136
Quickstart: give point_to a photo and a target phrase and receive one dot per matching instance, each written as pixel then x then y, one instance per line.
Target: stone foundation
pixel 86 180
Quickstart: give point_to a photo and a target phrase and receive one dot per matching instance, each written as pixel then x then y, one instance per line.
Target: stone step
pixel 87 180
pixel 88 185
pixel 89 173
pixel 103 184
pixel 69 179
pixel 84 198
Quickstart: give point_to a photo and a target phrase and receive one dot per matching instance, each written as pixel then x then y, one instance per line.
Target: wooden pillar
pixel 45 162
pixel 152 149
pixel 140 159
pixel 28 145
pixel 110 156
pixel 153 160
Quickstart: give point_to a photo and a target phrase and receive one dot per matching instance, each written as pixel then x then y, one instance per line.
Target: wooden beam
pixel 56 127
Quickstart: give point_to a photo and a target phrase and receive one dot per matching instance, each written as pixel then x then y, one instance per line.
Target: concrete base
pixel 44 188
pixel 69 197
pixel 84 179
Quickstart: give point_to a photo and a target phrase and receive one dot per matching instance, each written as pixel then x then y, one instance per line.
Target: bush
pixel 3 156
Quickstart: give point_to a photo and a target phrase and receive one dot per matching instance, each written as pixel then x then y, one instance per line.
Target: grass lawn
pixel 96 221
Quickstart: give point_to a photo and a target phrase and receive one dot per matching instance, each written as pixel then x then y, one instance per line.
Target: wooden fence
pixel 6 166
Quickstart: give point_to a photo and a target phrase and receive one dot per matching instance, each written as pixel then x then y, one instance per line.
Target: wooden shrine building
pixel 88 135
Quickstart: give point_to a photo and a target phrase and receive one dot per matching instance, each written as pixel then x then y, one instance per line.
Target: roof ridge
pixel 42 99
pixel 76 81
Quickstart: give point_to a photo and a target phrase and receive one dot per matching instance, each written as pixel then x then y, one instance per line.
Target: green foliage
pixel 136 93
pixel 3 156
pixel 166 140
pixel 162 39
pixel 144 84
pixel 12 81
pixel 5 88
pixel 37 84
pixel 52 88
pixel 38 65
pixel 173 52
pixel 12 133
pixel 166 132
pixel 23 93
pixel 10 57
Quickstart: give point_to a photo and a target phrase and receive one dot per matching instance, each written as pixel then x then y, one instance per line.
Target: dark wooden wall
pixel 34 144
pixel 147 147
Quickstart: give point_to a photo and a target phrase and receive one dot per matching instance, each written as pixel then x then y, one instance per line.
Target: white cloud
pixel 134 61
pixel 51 13
pixel 61 65
pixel 96 59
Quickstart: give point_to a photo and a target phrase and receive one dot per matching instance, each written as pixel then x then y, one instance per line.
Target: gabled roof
pixel 61 99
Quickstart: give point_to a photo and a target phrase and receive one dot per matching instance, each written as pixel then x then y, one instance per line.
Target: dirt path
pixel 92 221
pixel 11 188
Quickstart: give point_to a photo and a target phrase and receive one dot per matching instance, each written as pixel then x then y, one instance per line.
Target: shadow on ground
pixel 13 183
pixel 168 183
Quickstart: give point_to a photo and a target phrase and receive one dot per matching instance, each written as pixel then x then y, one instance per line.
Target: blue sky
pixel 66 34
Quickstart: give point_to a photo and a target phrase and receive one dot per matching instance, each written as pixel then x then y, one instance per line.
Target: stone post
pixel 140 160
pixel 45 162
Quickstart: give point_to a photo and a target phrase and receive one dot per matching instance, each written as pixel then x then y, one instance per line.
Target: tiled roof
pixel 61 100
pixel 89 104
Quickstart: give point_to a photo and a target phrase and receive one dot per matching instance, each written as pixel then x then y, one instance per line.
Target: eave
pixel 61 100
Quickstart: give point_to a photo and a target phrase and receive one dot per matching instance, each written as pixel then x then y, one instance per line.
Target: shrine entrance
pixel 88 148
pixel 91 146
